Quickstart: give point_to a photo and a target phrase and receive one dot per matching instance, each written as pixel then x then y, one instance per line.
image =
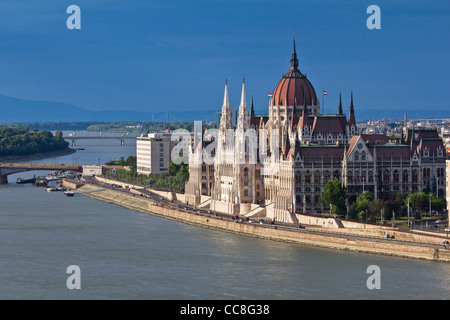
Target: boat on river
pixel 69 193
pixel 23 181
pixel 40 182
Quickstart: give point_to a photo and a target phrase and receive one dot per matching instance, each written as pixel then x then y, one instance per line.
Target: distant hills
pixel 14 110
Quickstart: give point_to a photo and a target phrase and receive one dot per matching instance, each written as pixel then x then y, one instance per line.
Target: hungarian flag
pixel 325 93
pixel 270 95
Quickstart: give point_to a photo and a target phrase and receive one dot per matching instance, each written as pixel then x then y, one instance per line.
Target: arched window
pixel 357 176
pixel 317 177
pixel 415 176
pixel 363 156
pixel 298 177
pixel 370 176
pixel 337 175
pixel 405 176
pixel 308 177
pixel 386 177
pixel 350 176
pixel 396 176
pixel 326 176
pixel 356 156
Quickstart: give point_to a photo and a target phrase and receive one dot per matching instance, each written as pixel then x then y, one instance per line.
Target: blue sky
pixel 175 55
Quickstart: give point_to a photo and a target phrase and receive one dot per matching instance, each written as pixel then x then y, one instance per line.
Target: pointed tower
pixel 304 125
pixel 253 123
pixel 243 119
pixel 294 59
pixel 352 130
pixel 226 121
pixel 340 110
pixel 304 121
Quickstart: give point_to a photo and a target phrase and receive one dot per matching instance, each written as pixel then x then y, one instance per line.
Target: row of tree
pixel 175 180
pixel 25 141
pixel 141 127
pixel 368 209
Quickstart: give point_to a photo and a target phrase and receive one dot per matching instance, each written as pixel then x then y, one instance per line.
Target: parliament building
pixel 276 165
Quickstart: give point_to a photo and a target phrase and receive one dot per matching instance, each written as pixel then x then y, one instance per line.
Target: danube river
pixel 123 254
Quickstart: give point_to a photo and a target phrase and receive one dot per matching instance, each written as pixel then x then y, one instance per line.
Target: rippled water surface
pixel 123 254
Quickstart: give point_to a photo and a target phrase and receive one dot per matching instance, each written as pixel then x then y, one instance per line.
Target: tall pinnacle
pixel 225 120
pixel 340 111
pixel 294 60
pixel 243 110
pixel 351 116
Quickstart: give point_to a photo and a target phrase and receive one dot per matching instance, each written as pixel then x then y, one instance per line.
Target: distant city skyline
pixel 155 56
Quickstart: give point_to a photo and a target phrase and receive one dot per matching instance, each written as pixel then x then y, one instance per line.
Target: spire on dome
pixel 294 60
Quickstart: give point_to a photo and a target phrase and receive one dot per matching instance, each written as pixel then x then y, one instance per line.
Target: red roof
pixel 432 144
pixel 326 153
pixel 326 124
pixel 375 138
pixel 392 151
pixel 294 81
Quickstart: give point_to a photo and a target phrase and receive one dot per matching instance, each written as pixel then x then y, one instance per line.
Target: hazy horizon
pixel 171 56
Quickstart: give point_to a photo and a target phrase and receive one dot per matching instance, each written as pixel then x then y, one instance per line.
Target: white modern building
pixel 154 151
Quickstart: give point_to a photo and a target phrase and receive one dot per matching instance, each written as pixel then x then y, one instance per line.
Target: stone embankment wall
pixel 343 242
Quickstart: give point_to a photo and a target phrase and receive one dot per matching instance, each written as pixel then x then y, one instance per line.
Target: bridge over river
pixel 73 138
pixel 11 168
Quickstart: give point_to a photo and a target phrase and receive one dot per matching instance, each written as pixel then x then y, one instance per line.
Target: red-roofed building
pixel 300 150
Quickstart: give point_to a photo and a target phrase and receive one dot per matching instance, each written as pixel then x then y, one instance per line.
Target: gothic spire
pixel 225 119
pixel 243 110
pixel 351 116
pixel 340 111
pixel 294 60
pixel 304 120
pixel 252 114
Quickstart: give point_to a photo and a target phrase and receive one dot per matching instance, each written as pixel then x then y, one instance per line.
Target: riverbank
pixel 38 156
pixel 335 241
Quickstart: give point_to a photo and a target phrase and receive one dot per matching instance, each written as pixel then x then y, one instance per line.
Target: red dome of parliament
pixel 294 84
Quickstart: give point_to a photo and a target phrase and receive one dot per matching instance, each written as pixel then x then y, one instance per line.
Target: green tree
pixel 335 195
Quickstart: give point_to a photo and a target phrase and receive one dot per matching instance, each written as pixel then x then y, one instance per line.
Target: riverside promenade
pixel 136 198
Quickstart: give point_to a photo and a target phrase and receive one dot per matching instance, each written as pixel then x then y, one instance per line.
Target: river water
pixel 123 254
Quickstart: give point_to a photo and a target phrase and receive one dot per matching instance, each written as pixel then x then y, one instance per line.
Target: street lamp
pixel 408 213
pixel 430 203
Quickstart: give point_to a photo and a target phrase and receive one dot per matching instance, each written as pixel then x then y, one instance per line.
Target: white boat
pixel 69 193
